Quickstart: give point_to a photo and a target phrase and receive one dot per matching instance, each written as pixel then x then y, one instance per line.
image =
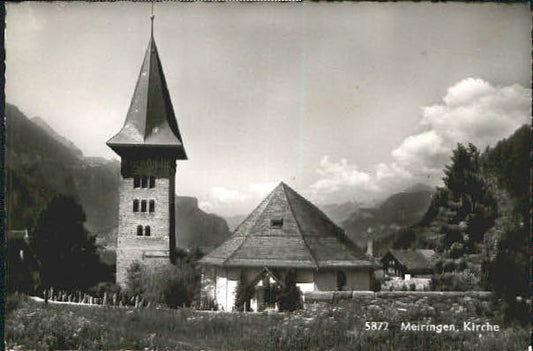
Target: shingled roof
pixel 286 230
pixel 150 121
pixel 414 261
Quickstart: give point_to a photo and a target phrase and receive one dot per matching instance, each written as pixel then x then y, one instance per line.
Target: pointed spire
pixel 150 121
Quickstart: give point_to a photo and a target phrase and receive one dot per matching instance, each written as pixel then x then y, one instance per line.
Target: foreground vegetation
pixel 320 327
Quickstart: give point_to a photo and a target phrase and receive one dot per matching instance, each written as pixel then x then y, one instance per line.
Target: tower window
pixel 143 205
pixel 139 230
pixel 276 223
pixel 136 181
pixel 144 182
pixel 135 205
pixel 147 230
pixel 152 182
pixel 151 206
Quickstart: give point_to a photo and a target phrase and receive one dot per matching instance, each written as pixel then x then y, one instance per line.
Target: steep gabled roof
pixel 307 238
pixel 415 261
pixel 150 121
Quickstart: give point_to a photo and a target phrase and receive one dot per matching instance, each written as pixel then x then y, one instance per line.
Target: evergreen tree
pixel 65 249
pixel 290 296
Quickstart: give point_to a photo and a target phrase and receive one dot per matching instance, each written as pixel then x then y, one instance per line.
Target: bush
pixel 14 301
pixel 456 281
pixel 412 287
pixel 243 293
pixel 290 296
pixel 448 266
pixel 104 287
pixel 168 284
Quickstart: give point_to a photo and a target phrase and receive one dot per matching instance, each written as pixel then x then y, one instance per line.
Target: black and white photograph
pixel 240 175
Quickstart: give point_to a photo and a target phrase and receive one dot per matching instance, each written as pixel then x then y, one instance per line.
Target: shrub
pixel 243 293
pixel 134 278
pixel 104 287
pixel 290 296
pixel 448 266
pixel 412 287
pixel 14 301
pixel 172 285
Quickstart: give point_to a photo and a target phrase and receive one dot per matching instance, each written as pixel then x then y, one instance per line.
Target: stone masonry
pixel 157 248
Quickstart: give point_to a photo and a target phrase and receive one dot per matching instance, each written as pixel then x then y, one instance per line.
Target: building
pixel 149 144
pixel 286 233
pixel 409 263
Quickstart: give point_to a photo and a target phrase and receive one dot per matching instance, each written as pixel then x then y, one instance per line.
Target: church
pixel 285 233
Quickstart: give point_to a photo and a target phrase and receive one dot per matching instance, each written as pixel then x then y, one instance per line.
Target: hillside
pixel 338 213
pixel 50 165
pixel 479 222
pixel 41 165
pixel 397 211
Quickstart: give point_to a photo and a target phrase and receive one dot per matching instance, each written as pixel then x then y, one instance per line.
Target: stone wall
pixel 437 299
pixel 153 250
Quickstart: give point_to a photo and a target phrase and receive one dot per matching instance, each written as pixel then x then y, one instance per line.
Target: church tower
pixel 149 144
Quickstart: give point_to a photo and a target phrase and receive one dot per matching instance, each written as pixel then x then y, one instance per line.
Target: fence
pixel 120 299
pixel 79 297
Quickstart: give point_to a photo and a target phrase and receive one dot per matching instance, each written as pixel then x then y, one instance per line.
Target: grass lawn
pixel 34 325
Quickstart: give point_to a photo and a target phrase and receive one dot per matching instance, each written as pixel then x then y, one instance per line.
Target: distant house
pixel 21 264
pixel 410 263
pixel 286 233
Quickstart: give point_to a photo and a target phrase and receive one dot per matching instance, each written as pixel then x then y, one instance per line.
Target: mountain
pixel 41 164
pixel 234 221
pixel 338 213
pixel 52 133
pixel 397 211
pixel 195 228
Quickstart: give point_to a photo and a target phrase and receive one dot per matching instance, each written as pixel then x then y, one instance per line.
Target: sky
pixel 343 101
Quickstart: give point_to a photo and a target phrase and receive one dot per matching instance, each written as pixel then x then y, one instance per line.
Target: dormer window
pixel 276 223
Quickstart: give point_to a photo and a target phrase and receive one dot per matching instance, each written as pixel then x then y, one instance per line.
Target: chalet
pixel 409 263
pixel 286 233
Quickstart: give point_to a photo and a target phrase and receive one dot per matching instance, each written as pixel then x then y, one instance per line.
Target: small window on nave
pixel 139 230
pixel 147 230
pixel 151 206
pixel 136 182
pixel 152 182
pixel 135 205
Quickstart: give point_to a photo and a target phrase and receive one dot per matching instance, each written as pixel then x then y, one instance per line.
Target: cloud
pixel 262 189
pixel 472 111
pixel 340 179
pixel 226 196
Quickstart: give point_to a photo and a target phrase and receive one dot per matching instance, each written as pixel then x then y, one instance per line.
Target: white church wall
pixel 225 289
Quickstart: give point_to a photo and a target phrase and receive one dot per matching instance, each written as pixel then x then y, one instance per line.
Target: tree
pixel 66 251
pixel 290 296
pixel 243 294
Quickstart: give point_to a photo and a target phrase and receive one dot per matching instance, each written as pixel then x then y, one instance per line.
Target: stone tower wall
pixel 157 248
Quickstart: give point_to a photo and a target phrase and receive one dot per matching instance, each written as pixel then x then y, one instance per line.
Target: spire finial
pixel 152 20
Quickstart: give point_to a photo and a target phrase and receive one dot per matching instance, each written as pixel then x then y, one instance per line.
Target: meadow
pixel 34 325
